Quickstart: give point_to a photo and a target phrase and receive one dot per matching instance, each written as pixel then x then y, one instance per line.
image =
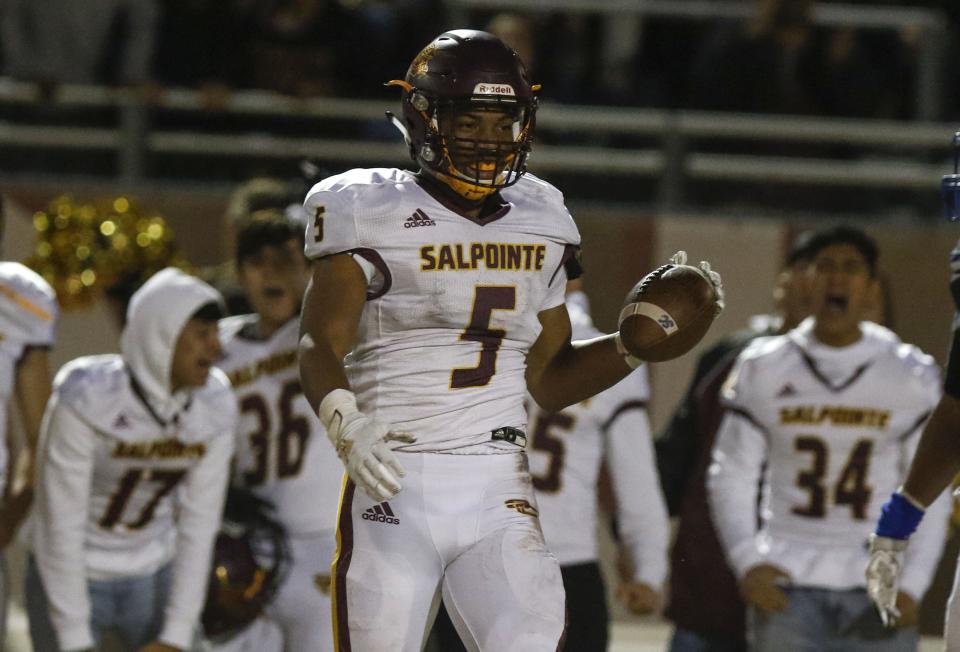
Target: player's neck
pixel 836 338
pixel 476 209
pixel 787 324
pixel 266 328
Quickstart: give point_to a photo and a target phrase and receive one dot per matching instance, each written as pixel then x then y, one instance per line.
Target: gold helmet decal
pixel 420 65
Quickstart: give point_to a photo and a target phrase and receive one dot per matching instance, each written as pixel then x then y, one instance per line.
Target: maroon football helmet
pixel 250 561
pixel 466 72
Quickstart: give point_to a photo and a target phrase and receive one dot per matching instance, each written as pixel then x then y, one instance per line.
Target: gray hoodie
pixel 157 313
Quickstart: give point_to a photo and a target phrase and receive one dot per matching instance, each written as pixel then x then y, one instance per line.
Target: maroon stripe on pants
pixel 345 527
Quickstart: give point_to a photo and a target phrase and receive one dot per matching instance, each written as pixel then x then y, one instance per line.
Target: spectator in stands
pixel 205 44
pixel 372 32
pixel 65 41
pixel 712 621
pixel 293 47
pixel 517 31
pixel 779 62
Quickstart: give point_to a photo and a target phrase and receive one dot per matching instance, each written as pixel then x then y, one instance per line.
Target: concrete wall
pixel 619 247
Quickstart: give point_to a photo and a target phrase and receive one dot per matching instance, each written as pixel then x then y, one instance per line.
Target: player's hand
pixel 883 574
pixel 12 514
pixel 641 599
pixel 157 646
pixel 680 258
pixel 899 518
pixel 363 445
pixel 761 588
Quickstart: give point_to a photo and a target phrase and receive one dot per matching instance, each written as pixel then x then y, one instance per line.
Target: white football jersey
pixel 836 428
pixel 28 317
pixel 566 452
pixel 452 312
pixel 282 453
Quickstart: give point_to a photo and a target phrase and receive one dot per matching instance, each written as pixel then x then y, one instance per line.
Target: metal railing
pixel 885 154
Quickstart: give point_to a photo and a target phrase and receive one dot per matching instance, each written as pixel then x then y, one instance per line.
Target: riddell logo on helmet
pixel 381 514
pixel 493 89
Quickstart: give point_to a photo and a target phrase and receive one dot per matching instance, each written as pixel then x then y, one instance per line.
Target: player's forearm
pixel 332 305
pixel 738 457
pixel 63 491
pixel 641 511
pixel 577 372
pixel 321 371
pixel 921 559
pixel 937 460
pixel 32 393
pixel 732 512
pixel 199 514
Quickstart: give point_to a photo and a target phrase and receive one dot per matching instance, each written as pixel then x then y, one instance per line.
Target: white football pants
pixel 465 526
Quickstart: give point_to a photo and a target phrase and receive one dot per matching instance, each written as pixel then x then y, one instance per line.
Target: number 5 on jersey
pixel 486 299
pixel 318 224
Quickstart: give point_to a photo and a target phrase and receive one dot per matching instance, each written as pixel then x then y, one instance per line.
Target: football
pixel 668 312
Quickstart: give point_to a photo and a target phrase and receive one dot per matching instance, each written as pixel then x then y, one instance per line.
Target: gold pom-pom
pixel 112 245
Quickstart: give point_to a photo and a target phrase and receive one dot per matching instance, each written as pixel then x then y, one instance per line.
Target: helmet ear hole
pixel 419 101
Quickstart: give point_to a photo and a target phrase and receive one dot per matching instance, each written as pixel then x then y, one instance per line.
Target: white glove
pixel 883 571
pixel 363 445
pixel 680 258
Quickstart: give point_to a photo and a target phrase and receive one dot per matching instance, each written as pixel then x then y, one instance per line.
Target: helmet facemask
pixel 476 145
pixel 482 145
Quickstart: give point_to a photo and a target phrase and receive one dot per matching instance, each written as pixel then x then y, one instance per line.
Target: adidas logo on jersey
pixel 121 422
pixel 419 218
pixel 381 514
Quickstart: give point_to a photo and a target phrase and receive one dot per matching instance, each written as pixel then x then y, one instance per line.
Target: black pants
pixel 587 626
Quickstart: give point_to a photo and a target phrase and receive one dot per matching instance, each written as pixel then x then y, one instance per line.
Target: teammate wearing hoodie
pixel 134 461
